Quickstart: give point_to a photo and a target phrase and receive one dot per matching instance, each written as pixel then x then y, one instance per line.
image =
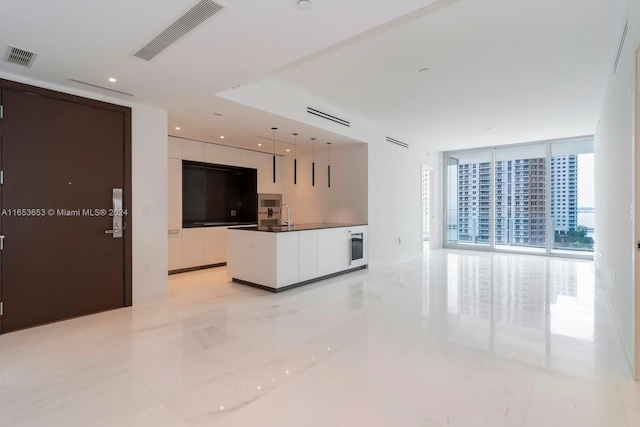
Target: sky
pixel 586 180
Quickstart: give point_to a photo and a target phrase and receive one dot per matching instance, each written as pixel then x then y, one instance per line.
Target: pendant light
pixel 329 164
pixel 313 163
pixel 274 153
pixel 295 158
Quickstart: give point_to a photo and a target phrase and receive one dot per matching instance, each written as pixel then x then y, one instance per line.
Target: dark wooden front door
pixel 61 161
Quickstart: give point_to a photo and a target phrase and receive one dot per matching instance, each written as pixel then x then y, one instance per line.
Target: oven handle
pixel 350 248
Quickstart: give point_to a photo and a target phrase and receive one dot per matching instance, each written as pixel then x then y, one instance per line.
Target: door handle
pixel 116 230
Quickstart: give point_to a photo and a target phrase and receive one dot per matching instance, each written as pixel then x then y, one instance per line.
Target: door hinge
pixel 1 177
pixel 1 111
pixel 1 308
pixel 1 243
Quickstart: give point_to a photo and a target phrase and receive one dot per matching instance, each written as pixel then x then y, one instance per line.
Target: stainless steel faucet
pixel 288 220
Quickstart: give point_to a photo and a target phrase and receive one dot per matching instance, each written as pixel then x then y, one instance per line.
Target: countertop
pixel 297 227
pixel 216 224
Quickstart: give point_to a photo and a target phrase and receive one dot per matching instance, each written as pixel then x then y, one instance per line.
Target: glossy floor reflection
pixel 458 338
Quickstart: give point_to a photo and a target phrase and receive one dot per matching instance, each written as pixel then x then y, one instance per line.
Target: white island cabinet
pixel 281 258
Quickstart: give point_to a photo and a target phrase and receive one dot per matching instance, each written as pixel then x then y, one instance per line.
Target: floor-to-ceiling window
pixel 425 202
pixel 572 188
pixel 521 197
pixel 534 197
pixel 468 204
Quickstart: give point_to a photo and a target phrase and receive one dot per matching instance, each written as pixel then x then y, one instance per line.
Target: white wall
pixel 394 173
pixel 149 169
pixel 347 199
pixel 149 204
pixel 614 169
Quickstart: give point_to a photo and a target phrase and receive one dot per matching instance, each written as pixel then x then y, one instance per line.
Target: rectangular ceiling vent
pixel 621 45
pixel 328 117
pixel 199 13
pixel 100 87
pixel 400 143
pixel 18 56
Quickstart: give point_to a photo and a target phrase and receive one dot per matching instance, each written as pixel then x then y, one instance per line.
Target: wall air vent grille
pixel 400 143
pixel 621 45
pixel 199 13
pixel 19 56
pixel 328 117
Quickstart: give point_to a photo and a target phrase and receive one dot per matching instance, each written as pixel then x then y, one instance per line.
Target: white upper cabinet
pixel 221 155
pixel 175 148
pixel 249 159
pixel 193 150
pixel 266 184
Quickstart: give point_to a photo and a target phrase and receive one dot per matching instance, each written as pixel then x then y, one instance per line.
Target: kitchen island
pixel 283 257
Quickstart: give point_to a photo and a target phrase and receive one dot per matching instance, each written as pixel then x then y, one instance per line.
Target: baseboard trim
pixel 200 267
pixel 296 285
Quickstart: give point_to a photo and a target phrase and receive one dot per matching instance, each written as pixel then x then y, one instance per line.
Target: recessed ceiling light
pixel 304 4
pixel 424 70
pixel 288 150
pixel 221 136
pixel 177 127
pixel 112 79
pixel 259 145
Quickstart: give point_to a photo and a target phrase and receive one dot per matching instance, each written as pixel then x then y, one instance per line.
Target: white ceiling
pixel 527 69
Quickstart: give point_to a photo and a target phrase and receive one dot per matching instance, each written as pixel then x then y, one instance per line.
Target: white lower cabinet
pixel 192 247
pixel 308 255
pixel 325 252
pixel 175 250
pixel 341 249
pixel 215 245
pixel 277 260
pixel 287 258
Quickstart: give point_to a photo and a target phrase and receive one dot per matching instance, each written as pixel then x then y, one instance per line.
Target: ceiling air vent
pixel 100 87
pixel 328 117
pixel 18 56
pixel 199 13
pixel 400 143
pixel 621 45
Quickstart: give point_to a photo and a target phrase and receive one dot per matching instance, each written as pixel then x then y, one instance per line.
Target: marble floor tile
pixel 455 338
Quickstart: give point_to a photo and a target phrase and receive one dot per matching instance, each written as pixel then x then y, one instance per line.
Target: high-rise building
pixel 564 193
pixel 474 202
pixel 521 197
pixel 520 202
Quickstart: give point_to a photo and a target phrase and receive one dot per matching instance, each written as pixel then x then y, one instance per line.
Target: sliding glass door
pixel 468 212
pixel 535 197
pixel 572 187
pixel 520 197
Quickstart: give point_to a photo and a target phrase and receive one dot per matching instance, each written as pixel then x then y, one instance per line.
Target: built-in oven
pixel 269 209
pixel 356 246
